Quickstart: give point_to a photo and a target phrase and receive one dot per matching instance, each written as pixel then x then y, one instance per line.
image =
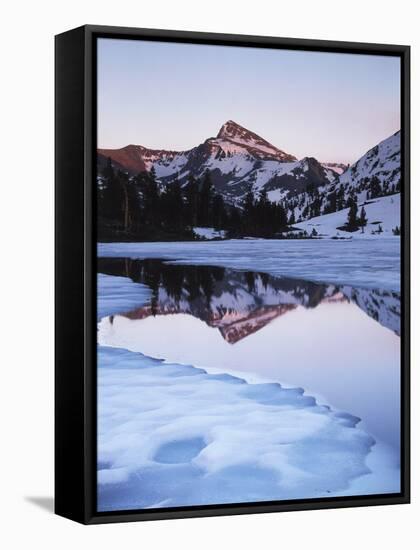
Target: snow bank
pixel 119 294
pixel 177 434
pixel 384 212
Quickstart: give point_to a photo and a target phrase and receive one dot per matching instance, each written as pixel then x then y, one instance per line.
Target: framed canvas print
pixel 232 274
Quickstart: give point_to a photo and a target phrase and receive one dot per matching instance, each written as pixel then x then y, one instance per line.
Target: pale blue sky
pixel 174 96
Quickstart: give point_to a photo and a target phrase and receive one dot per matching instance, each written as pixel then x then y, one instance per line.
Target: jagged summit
pixel 230 129
pixel 234 132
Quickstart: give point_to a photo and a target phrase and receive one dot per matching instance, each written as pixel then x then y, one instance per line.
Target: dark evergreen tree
pixel 340 197
pixel 315 207
pixel 248 215
pixel 205 201
pixel 311 189
pixel 172 207
pixel 375 187
pixel 292 219
pixel 219 212
pixel 281 217
pixel 331 205
pixel 352 220
pixel 110 196
pixel 263 214
pixel 192 196
pixel 124 182
pixel 363 218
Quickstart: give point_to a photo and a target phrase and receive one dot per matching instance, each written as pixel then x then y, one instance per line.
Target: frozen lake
pixel 336 343
pixel 368 262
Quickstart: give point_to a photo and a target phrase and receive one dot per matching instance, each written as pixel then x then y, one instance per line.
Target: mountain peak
pixel 234 132
pixel 232 129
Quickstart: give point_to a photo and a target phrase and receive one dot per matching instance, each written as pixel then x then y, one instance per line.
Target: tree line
pixel 138 207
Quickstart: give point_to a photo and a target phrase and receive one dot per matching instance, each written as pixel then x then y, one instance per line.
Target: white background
pixel 26 217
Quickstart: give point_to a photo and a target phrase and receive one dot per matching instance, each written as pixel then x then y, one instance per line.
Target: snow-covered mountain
pixel 374 182
pixel 315 195
pixel 233 138
pixel 382 162
pixel 338 167
pixel 238 160
pixel 136 158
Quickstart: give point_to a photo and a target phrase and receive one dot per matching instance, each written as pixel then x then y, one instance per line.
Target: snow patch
pixel 383 211
pixel 209 233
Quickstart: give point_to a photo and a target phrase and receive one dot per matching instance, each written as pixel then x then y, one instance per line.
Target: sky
pixel 333 107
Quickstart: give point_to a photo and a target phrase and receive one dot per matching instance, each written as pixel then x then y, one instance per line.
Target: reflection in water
pixel 171 434
pixel 337 342
pixel 240 303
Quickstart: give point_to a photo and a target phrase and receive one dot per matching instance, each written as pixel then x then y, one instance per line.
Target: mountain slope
pixel 383 216
pixel 136 158
pixel 382 161
pixel 376 175
pixel 237 138
pixel 238 160
pixel 338 167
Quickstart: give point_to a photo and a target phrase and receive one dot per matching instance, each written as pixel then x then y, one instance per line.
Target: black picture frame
pixel 75 273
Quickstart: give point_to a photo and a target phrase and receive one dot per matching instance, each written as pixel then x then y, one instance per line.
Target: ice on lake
pixel 242 428
pixel 365 263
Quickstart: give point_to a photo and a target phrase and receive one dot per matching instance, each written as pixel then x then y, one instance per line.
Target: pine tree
pixel 363 218
pixel 248 213
pixel 191 201
pixel 205 202
pixel 310 189
pixel 352 215
pixel 331 205
pixel 281 216
pixel 292 219
pixel 172 207
pixel 218 212
pixel 123 181
pixel 110 197
pixel 263 213
pixel 375 187
pixel 234 221
pixel 340 197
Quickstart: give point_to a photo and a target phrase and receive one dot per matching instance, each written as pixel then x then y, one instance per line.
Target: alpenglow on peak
pixel 234 132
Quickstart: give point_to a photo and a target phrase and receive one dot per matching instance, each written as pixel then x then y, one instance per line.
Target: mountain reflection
pixel 239 303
